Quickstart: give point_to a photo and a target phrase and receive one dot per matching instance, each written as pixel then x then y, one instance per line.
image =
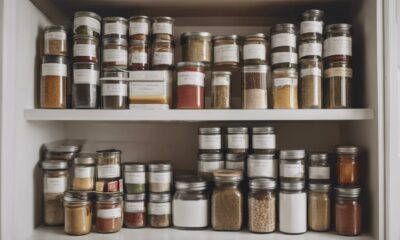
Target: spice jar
pixel 86 49
pixel 237 139
pixel 254 87
pixel 87 23
pixel 163 49
pixel 310 47
pixel 190 204
pixel 53 83
pixel 262 205
pixel 293 208
pixel 210 140
pixel 235 161
pixel 226 50
pixel 208 163
pixel 311 83
pixel 115 27
pixel 338 43
pixel 262 165
pixel 263 140
pixel 115 53
pixel 348 166
pixel 108 171
pixel 138 55
pixel 221 90
pixel 135 178
pixel 55 41
pixel 55 179
pixel 83 172
pixel 78 213
pixel 319 169
pixel 285 88
pixel 60 152
pixel 108 212
pixel 284 46
pixel 114 90
pixel 255 49
pixel 86 84
pixel 196 47
pixel 338 77
pixel 348 211
pixel 160 177
pixel 135 211
pixel 139 28
pixel 319 207
pixel 227 201
pixel 291 165
pixel 159 210
pixel 312 24
pixel 163 25
pixel 190 89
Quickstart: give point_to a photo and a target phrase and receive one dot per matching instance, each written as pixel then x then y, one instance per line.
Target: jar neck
pixel 227 184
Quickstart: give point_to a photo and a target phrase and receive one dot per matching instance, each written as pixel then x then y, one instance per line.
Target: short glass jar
pixel 338 43
pixel 338 78
pixel 138 55
pixel 135 211
pixel 262 166
pixel 87 23
pixel 139 28
pixel 235 161
pixel 83 171
pixel 115 53
pixel 254 87
pixel 163 25
pixel 285 88
pixel 255 49
pixel 190 85
pixel 135 178
pixel 163 51
pixel 114 90
pixel 292 165
pixel 284 46
pixel 208 163
pixel 60 152
pixel 311 83
pixel 86 84
pixel 55 41
pixel 160 177
pixel 237 139
pixel 78 213
pixel 312 24
pixel 196 47
pixel 310 47
pixel 115 27
pixel 86 49
pixel 319 207
pixel 221 90
pixel 348 209
pixel 319 169
pixel 210 140
pixel 159 210
pixel 348 166
pixel 108 164
pixel 263 140
pixel 109 216
pixel 262 204
pixel 226 50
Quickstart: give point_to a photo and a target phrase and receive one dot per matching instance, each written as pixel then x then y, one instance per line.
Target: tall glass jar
pixel 163 25
pixel 139 27
pixel 78 213
pixel 135 210
pixel 87 23
pixel 83 172
pixel 348 166
pixel 210 140
pixel 237 139
pixel 109 216
pixel 338 78
pixel 348 210
pixel 190 89
pixel 255 49
pixel 285 88
pixel 226 50
pixel 292 165
pixel 160 177
pixel 115 53
pixel 114 90
pixel 235 161
pixel 311 83
pixel 55 41
pixel 86 84
pixel 254 87
pixel 319 207
pixel 263 140
pixel 312 24
pixel 86 49
pixel 208 163
pixel 115 27
pixel 319 168
pixel 135 178
pixel 162 50
pixel 284 46
pixel 338 43
pixel 196 47
pixel 262 166
pixel 138 55
pixel 159 207
pixel 221 90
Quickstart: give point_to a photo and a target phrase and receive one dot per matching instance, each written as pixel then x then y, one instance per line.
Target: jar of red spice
pixel 135 211
pixel 348 211
pixel 348 166
pixel 108 212
pixel 190 89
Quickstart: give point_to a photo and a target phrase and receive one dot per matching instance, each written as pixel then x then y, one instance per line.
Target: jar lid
pixel 319 187
pixel 297 185
pixel 262 183
pixel 210 130
pixel 196 34
pixel 190 64
pixel 348 192
pixel 138 42
pixel 265 130
pixel 347 150
pixel 135 197
pixel 221 73
pixel 313 13
pixel 191 183
pixel 228 37
pixel 233 130
pixel 139 16
pixel 160 166
pixel 255 68
pixel 122 74
pixel 54 165
pixel 319 157
pixel 76 196
pixel 261 157
pixel 135 167
pixel 292 154
pixel 211 157
pixel 87 14
pixel 118 41
pixel 235 157
pixel 160 197
pixel 108 152
pixel 256 35
pixel 105 19
pixel 55 28
pixel 109 197
pixel 85 37
pixel 163 18
pixel 338 27
pixel 62 148
pixel 85 158
pixel 226 175
pixel 290 27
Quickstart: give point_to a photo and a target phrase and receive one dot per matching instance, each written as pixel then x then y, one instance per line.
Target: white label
pixel 160 177
pixel 198 210
pixel 338 72
pixel 254 51
pixel 108 171
pixel 138 57
pixel 118 56
pixel 132 207
pixel 135 177
pixel 85 50
pixel 149 106
pixel 89 21
pixel 191 78
pixel 265 141
pixel 310 49
pixel 210 166
pixel 311 27
pixel 109 213
pixel 226 53
pixel 284 57
pixel 138 28
pixel 55 36
pixel 221 81
pixel 319 173
pixel 83 172
pixel 115 28
pixel 162 27
pixel 147 89
pixel 338 46
pixel 283 39
pixel 291 170
pixel 86 76
pixel 55 185
pixel 54 69
pixel 310 72
pixel 280 82
pixel 159 208
pixel 238 141
pixel 234 165
pixel 210 141
pixel 109 89
pixel 262 168
pixel 163 58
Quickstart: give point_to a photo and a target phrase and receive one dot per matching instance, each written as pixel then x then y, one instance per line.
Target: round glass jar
pixel 114 90
pixel 255 49
pixel 138 55
pixel 163 50
pixel 254 87
pixel 338 43
pixel 312 24
pixel 284 46
pixel 235 161
pixel 78 213
pixel 311 83
pixel 292 165
pixel 83 172
pixel 285 88
pixel 86 49
pixel 319 169
pixel 237 139
pixel 210 140
pixel 135 211
pixel 190 86
pixel 262 166
pixel 196 47
pixel 139 28
pixel 338 77
pixel 108 164
pixel 263 140
pixel 348 217
pixel 163 25
pixel 347 166
pixel 226 50
pixel 135 178
pixel 319 207
pixel 109 212
pixel 115 53
pixel 221 90
pixel 86 84
pixel 160 177
pixel 262 202
pixel 60 152
pixel 115 27
pixel 87 23
pixel 310 47
pixel 208 163
pixel 55 41
pixel 159 208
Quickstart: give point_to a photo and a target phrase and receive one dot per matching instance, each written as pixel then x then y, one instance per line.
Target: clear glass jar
pixel 255 49
pixel 163 25
pixel 285 88
pixel 312 24
pixel 139 28
pixel 319 169
pixel 138 55
pixel 348 166
pixel 311 83
pixel 115 27
pixel 55 41
pixel 221 90
pixel 87 23
pixel 310 47
pixel 210 140
pixel 135 178
pixel 108 170
pixel 292 208
pixel 292 165
pixel 109 216
pixel 208 163
pixel 262 205
pixel 55 183
pixel 115 53
pixel 284 46
pixel 237 139
pixel 262 166
pixel 78 213
pixel 190 204
pixel 86 49
pixel 114 90
pixel 53 82
pixel 227 201
pixel 348 211
pixel 196 47
pixel 135 211
pixel 254 87
pixel 159 210
pixel 226 50
pixel 338 77
pixel 190 86
pixel 60 152
pixel 319 207
pixel 160 177
pixel 163 51
pixel 83 172
pixel 338 43
pixel 235 161
pixel 86 84
pixel 263 140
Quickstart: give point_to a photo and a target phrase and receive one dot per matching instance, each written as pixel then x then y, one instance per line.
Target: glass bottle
pixel 139 28
pixel 160 177
pixel 86 84
pixel 78 213
pixel 254 87
pixel 196 47
pixel 284 46
pixel 319 207
pixel 237 139
pixel 83 172
pixel 55 41
pixel 348 166
pixel 226 50
pixel 348 210
pixel 285 88
pixel 262 166
pixel 255 49
pixel 109 212
pixel 135 210
pixel 292 165
pixel 115 27
pixel 87 23
pixel 190 86
pixel 86 49
pixel 135 178
pixel 114 90
pixel 210 140
pixel 208 163
pixel 263 140
pixel 319 168
pixel 221 90
pixel 311 83
pixel 159 214
pixel 138 55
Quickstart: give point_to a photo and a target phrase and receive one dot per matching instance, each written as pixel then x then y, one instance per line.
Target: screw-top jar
pixel 55 41
pixel 78 213
pixel 338 43
pixel 86 49
pixel 263 140
pixel 115 53
pixel 139 28
pixel 208 163
pixel 135 178
pixel 221 90
pixel 135 210
pixel 86 84
pixel 83 172
pixel 163 50
pixel 108 171
pixel 319 168
pixel 87 23
pixel 114 90
pixel 312 24
pixel 237 139
pixel 159 210
pixel 255 49
pixel 190 86
pixel 292 165
pixel 210 140
pixel 311 83
pixel 319 207
pixel 196 47
pixel 348 211
pixel 138 55
pixel 226 50
pixel 310 47
pixel 254 87
pixel 109 212
pixel 235 161
pixel 285 88
pixel 284 45
pixel 160 177
pixel 338 77
pixel 163 25
pixel 60 152
pixel 262 165
pixel 116 27
pixel 348 166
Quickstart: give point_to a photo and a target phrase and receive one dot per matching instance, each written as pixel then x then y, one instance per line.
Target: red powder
pixel 190 97
pixel 135 219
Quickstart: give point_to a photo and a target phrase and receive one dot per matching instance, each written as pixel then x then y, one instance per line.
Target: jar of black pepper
pixel 319 168
pixel 55 41
pixel 312 24
pixel 254 87
pixel 163 25
pixel 221 90
pixel 114 90
pixel 159 210
pixel 115 53
pixel 338 43
pixel 162 51
pixel 338 78
pixel 285 88
pixel 292 165
pixel 196 47
pixel 208 163
pixel 86 49
pixel 138 55
pixel 284 45
pixel 210 140
pixel 226 50
pixel 86 84
pixel 139 28
pixel 115 27
pixel 263 140
pixel 87 23
pixel 311 83
pixel 237 139
pixel 255 49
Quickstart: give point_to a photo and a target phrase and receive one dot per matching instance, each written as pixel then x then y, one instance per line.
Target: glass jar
pixel 284 46
pixel 255 49
pixel 55 41
pixel 159 210
pixel 135 177
pixel 285 88
pixel 208 163
pixel 78 213
pixel 86 84
pixel 87 23
pixel 135 211
pixel 190 204
pixel 55 183
pixel 311 83
pixel 338 77
pixel 293 208
pixel 254 87
pixel 312 24
pixel 190 89
pixel 319 207
pixel 348 166
pixel 196 47
pixel 53 83
pixel 319 169
pixel 226 50
pixel 86 49
pixel 227 201
pixel 291 165
pixel 348 210
pixel 338 43
pixel 221 90
pixel 108 171
pixel 210 140
pixel 237 139
pixel 163 50
pixel 163 25
pixel 160 177
pixel 114 90
pixel 83 172
pixel 235 161
pixel 115 53
pixel 262 166
pixel 115 27
pixel 310 47
pixel 109 212
pixel 139 28
pixel 262 205
pixel 138 55
pixel 60 152
pixel 263 140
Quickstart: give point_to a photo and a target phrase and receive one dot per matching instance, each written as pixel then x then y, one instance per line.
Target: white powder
pixel 293 212
pixel 190 214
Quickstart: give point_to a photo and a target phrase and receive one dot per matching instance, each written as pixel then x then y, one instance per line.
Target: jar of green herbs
pixel 135 178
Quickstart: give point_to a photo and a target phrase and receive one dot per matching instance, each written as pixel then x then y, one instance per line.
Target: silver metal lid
pixel 163 18
pixel 54 165
pixel 292 154
pixel 264 130
pixel 76 196
pixel 290 27
pixel 210 130
pixel 347 150
pixel 256 35
pixel 85 158
pixel 109 197
pixel 190 64
pixel 108 152
pixel 228 37
pixel 261 157
pixel 138 16
pixel 262 183
pixel 160 197
pixel 295 186
pixel 348 192
pixel 338 27
pixel 105 19
pixel 87 14
pixel 226 175
pixel 313 13
pixel 191 183
pixel 54 28
pixel 160 166
pixel 237 130
pixel 221 73
pixel 135 197
pixel 211 157
pixel 257 68
pixel 319 157
pixel 235 157
pixel 118 41
pixel 62 148
pixel 195 34
pixel 134 167
pixel 319 187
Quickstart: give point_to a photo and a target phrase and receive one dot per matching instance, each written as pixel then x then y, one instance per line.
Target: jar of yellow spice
pixel 83 172
pixel 285 86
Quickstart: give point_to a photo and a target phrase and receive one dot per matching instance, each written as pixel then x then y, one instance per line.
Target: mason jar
pixel 262 166
pixel 190 85
pixel 210 140
pixel 135 210
pixel 109 216
pixel 348 211
pixel 83 172
pixel 208 163
pixel 108 164
pixel 160 177
pixel 254 87
pixel 348 166
pixel 319 207
pixel 226 50
pixel 196 47
pixel 263 140
pixel 135 178
pixel 78 213
pixel 311 83
pixel 284 46
pixel 115 27
pixel 255 49
pixel 159 210
pixel 292 165
pixel 55 41
pixel 319 168
pixel 285 88
pixel 237 139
